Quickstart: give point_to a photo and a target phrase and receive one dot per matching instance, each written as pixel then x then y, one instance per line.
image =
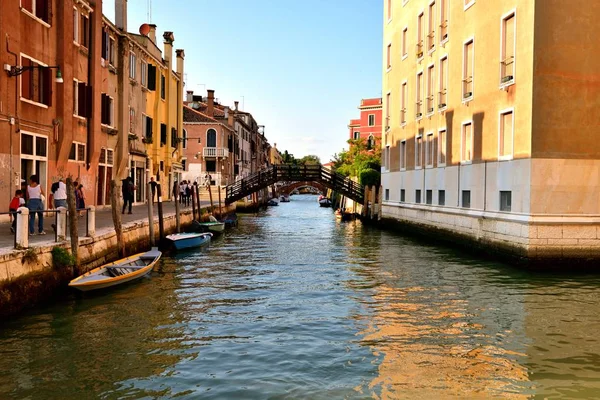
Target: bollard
pixel 61 224
pixel 91 221
pixel 22 233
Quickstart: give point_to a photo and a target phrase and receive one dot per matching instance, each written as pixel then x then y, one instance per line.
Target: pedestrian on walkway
pixel 80 198
pixel 207 179
pixel 175 190
pixel 58 191
pixel 15 203
pixel 35 205
pixel 188 193
pixel 182 186
pixel 153 187
pixel 128 189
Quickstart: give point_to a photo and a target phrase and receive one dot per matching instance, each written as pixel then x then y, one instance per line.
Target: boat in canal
pixel 272 202
pixel 230 220
pixel 182 241
pixel 212 225
pixel 324 201
pixel 343 215
pixel 284 198
pixel 118 272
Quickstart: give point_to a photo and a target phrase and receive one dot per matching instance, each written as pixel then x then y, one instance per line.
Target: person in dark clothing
pixel 153 187
pixel 188 194
pixel 128 189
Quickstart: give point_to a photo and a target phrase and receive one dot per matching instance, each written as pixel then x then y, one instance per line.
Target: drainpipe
pixel 484 185
pixel 91 49
pixel 11 166
pixel 458 187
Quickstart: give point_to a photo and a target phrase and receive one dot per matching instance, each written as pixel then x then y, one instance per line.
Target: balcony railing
pixel 215 152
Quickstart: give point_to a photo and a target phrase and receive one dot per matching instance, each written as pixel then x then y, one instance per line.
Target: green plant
pixel 62 258
pixel 29 256
pixel 370 177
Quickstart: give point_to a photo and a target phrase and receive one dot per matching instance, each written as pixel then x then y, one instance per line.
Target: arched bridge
pixel 289 187
pixel 294 173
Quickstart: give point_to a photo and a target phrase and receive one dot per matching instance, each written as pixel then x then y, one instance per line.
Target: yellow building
pixel 274 155
pixel 490 119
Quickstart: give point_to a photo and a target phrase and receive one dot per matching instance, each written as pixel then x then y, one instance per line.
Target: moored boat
pixel 284 198
pixel 324 201
pixel 213 225
pixel 230 220
pixel 272 202
pixel 186 240
pixel 120 271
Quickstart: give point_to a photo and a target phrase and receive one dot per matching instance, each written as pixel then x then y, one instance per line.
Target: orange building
pixel 369 125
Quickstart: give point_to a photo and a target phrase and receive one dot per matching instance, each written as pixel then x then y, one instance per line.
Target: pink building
pixel 369 125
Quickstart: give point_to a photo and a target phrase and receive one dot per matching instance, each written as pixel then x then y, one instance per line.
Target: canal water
pixel 296 305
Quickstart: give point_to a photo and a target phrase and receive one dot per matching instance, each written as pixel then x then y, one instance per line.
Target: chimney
pixel 121 14
pixel 189 96
pixel 152 33
pixel 168 48
pixel 236 105
pixel 210 110
pixel 180 54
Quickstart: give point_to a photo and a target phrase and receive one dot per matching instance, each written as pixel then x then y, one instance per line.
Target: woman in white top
pixel 34 203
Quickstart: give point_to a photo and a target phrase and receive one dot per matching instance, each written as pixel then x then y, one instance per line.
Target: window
pixel 34 153
pixel 131 120
pixel 108 47
pixel 371 119
pixel 144 73
pixel 441 197
pixel 370 142
pixel 444 20
pixel 77 152
pixel 466 149
pixel 402 195
pixel 388 98
pixel 163 87
pixel 174 138
pixel 420 36
pixel 466 199
pixel 429 150
pixel 431 27
pixel 429 197
pixel 506 134
pixel 419 113
pixel 84 31
pixel 211 165
pixel 505 200
pixel 507 49
pixel 184 139
pixel 405 43
pixel 147 127
pixel 468 3
pixel 75 25
pixel 81 99
pixel 38 8
pixel 386 157
pixel 441 147
pixel 387 194
pixel 418 196
pixel 403 96
pixel 389 56
pixel 418 151
pixel 403 154
pixel 389 10
pixel 132 64
pixel 442 94
pixel 107 110
pixel 356 135
pixel 467 87
pixel 184 164
pixel 430 89
pixel 36 84
pixel 211 138
pixel 163 134
pixel 161 166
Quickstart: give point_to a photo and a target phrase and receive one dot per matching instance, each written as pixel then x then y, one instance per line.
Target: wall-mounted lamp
pixel 13 70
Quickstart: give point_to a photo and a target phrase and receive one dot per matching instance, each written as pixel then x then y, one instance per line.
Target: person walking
pixel 59 193
pixel 15 203
pixel 128 190
pixel 182 186
pixel 188 193
pixel 35 205
pixel 153 188
pixel 80 198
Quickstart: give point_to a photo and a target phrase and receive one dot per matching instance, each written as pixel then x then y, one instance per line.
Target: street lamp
pixel 14 70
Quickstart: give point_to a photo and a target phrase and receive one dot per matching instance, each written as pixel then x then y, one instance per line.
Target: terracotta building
pixel 491 110
pixel 369 125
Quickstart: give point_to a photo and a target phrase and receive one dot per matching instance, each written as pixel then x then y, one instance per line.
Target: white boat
pixel 213 225
pixel 120 271
pixel 186 240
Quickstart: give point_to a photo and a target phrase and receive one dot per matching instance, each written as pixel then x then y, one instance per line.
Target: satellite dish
pixel 144 29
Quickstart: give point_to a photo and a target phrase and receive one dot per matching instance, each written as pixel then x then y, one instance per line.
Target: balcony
pixel 214 152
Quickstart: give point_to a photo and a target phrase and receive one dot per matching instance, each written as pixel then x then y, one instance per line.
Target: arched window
pixel 184 139
pixel 211 138
pixel 370 142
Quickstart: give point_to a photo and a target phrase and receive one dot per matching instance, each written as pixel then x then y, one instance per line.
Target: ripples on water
pixel 293 304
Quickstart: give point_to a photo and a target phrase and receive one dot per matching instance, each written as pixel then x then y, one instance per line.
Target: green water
pixel 296 305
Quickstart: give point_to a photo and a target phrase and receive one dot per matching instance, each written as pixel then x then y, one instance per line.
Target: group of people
pixel 33 197
pixel 185 192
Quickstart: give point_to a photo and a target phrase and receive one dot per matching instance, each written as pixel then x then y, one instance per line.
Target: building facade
pixel 369 126
pixel 490 114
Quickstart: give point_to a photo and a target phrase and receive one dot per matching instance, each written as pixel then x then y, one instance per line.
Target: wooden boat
pixel 186 240
pixel 213 225
pixel 120 271
pixel 230 220
pixel 272 202
pixel 324 201
pixel 284 198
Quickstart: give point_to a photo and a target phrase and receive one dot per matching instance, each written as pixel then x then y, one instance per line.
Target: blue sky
pixel 302 66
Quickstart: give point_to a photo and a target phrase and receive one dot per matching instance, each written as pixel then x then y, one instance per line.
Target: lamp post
pixel 16 70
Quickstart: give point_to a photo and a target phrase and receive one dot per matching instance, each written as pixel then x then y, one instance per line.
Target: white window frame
pixel 510 110
pixel 184 139
pixel 404 43
pixel 469 4
pixel 403 99
pixel 404 2
pixel 444 6
pixel 388 109
pixel 132 65
pixel 369 119
pixel 464 71
pixel 386 158
pixel 429 150
pixel 390 9
pixel 356 135
pixel 430 88
pixel 76 18
pixel 462 139
pixel 35 157
pixel 402 155
pixel 77 160
pixel 443 77
pixel 32 13
pixel 111 113
pixel 418 152
pixel 420 32
pixel 131 132
pixel 144 73
pixel 511 13
pixel 110 42
pixel 76 100
pixel 419 97
pixel 431 31
pixel 442 144
pixel 388 57
pixel 23 99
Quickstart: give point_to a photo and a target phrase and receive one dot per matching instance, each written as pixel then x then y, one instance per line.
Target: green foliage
pixel 30 256
pixel 309 160
pixel 61 258
pixel 358 158
pixel 370 177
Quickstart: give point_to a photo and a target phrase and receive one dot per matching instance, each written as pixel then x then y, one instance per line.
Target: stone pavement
pixel 103 220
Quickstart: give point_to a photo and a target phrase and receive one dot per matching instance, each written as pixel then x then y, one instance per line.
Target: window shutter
pixel 103 109
pixel 81 100
pixel 151 77
pixel 47 86
pixel 42 10
pixel 104 49
pixel 88 101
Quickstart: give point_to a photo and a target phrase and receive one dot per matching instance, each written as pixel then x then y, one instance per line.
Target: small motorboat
pixel 186 240
pixel 120 271
pixel 284 198
pixel 230 220
pixel 212 225
pixel 272 202
pixel 324 201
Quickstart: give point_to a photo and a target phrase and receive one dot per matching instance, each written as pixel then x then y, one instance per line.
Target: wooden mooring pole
pixel 161 225
pixel 220 207
pixel 150 214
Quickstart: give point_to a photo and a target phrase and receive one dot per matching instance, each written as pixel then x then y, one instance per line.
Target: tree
pixel 309 160
pixel 358 158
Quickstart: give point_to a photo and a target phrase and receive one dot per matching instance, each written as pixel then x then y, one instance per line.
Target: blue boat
pixel 187 240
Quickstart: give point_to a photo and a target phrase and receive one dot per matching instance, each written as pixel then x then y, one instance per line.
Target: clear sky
pixel 299 66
